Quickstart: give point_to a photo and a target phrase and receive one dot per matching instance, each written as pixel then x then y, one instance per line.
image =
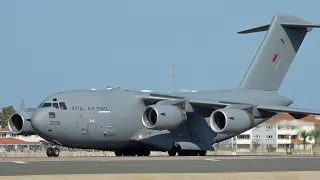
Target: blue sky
pixel 51 46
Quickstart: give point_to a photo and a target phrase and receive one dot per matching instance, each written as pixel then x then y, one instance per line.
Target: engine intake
pixel 20 124
pixel 160 117
pixel 228 121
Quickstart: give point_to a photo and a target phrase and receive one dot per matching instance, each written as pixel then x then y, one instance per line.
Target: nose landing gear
pixel 53 152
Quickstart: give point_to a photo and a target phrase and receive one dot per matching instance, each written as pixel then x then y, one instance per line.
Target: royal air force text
pixel 90 108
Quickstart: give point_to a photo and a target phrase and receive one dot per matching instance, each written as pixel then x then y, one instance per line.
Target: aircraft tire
pixel 182 153
pixel 202 153
pixel 118 153
pixel 49 152
pixel 172 152
pixel 188 153
pixel 55 152
pixel 146 153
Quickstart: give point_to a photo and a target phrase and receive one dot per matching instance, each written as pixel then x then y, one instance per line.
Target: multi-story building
pixel 12 142
pixel 278 134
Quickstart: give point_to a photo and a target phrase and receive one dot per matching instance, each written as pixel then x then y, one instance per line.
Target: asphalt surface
pixel 124 165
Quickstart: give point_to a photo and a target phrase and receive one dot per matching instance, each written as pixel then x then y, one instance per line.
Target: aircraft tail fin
pixel 22 105
pixel 276 52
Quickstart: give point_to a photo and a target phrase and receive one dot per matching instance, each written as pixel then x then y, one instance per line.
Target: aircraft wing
pixel 214 104
pixel 286 109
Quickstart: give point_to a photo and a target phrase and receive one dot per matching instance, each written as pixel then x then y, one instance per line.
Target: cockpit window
pixel 46 105
pixel 63 106
pixel 55 105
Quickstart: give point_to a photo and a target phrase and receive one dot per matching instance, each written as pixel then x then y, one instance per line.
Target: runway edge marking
pixel 211 159
pixel 19 162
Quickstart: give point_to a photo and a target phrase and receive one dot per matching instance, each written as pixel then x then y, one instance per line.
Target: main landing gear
pixel 175 151
pixel 188 153
pixel 53 152
pixel 132 153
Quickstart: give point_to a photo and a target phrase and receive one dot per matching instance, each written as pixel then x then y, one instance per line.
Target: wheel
pixel 49 152
pixel 146 153
pixel 125 153
pixel 172 152
pixel 202 153
pixel 182 153
pixel 118 153
pixel 55 152
pixel 188 153
pixel 140 153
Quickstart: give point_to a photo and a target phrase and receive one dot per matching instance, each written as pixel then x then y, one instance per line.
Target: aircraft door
pixel 91 129
pixel 82 126
pixel 87 126
pixel 106 126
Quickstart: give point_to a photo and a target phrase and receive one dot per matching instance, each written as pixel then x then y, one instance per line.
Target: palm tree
pixel 304 134
pixel 315 134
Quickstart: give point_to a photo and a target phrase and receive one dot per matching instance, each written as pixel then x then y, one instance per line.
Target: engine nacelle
pixel 229 121
pixel 160 117
pixel 19 124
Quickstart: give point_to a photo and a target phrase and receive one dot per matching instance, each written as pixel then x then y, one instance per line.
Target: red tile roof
pixel 4 130
pixel 288 117
pixel 9 141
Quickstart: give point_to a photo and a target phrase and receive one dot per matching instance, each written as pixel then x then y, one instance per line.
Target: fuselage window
pixel 63 105
pixel 46 105
pixel 55 105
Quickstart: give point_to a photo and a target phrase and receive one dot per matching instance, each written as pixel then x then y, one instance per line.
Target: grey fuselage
pixel 111 119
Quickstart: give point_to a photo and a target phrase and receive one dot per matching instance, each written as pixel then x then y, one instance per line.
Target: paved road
pixel 114 158
pixel 116 165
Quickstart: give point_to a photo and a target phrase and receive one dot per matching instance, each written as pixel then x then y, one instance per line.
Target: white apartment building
pixel 276 134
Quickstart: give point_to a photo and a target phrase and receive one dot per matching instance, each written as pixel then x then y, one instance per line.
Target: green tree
pixel 304 135
pixel 5 115
pixel 315 134
pixel 255 145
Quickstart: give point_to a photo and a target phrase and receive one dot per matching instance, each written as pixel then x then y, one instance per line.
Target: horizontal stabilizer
pixel 300 25
pixel 254 30
pixel 266 27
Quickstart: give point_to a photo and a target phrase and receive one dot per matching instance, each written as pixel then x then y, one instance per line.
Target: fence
pixel 228 149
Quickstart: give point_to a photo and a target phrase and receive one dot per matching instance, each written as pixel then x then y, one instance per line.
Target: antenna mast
pixel 171 79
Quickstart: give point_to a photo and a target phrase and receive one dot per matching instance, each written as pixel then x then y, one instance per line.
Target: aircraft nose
pixel 39 120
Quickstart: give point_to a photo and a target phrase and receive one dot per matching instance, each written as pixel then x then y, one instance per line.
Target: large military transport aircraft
pixel 189 123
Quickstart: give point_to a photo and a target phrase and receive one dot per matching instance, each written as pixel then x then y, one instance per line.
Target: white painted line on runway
pixel 212 160
pixel 197 166
pixel 19 162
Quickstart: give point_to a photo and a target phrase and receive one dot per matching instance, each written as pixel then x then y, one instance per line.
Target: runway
pixel 143 165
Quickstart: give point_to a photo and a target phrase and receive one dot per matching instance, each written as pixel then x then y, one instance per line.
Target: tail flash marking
pixel 274 57
pixel 277 65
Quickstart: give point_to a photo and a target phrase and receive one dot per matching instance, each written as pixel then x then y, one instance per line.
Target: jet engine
pixel 160 117
pixel 229 121
pixel 19 124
